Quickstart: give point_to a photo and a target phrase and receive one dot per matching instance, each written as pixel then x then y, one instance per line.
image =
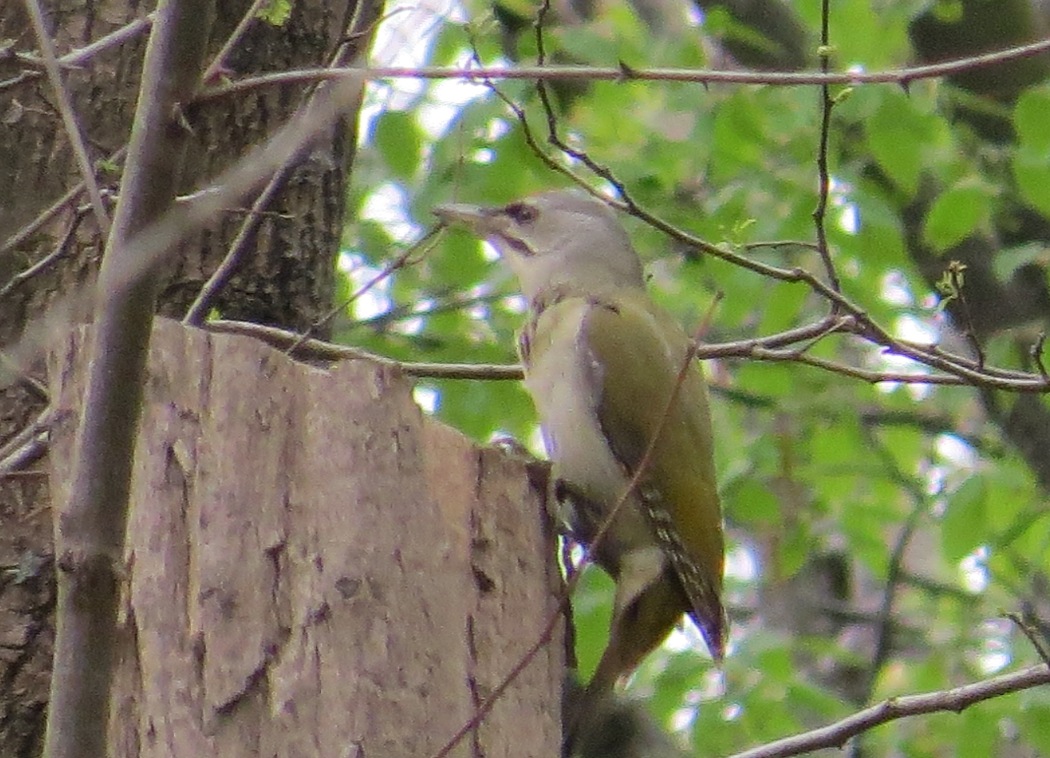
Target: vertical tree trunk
pixel 314 567
pixel 286 280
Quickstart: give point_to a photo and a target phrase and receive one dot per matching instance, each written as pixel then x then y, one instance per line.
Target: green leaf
pixel 976 735
pixel 1031 169
pixel 1031 117
pixel 1032 721
pixel 739 134
pixel 1008 259
pixel 964 525
pixel 591 613
pixel 795 550
pixel 398 140
pixel 896 135
pixel 751 502
pixel 275 12
pixel 957 213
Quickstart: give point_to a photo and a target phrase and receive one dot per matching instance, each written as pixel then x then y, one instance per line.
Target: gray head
pixel 557 238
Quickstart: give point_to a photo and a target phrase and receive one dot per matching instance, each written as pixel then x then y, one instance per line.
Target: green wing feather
pixel 639 351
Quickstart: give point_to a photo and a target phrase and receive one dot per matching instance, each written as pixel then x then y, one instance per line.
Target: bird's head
pixel 562 238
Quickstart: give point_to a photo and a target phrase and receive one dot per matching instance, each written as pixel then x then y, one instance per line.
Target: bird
pixel 606 368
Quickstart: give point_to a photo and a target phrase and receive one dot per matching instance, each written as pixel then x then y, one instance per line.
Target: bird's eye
pixel 521 213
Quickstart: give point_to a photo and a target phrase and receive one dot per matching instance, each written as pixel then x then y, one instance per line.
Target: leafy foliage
pixel 878 530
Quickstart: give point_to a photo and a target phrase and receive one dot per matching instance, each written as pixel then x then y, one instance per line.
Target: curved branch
pixel 955 700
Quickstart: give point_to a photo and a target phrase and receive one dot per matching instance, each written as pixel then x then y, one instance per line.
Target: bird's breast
pixel 565 380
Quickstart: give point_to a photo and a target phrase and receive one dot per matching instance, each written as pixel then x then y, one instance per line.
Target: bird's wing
pixel 639 350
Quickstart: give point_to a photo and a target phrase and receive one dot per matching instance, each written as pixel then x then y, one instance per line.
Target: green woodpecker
pixel 601 363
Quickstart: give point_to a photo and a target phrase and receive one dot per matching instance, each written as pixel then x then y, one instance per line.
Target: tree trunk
pixel 287 279
pixel 315 567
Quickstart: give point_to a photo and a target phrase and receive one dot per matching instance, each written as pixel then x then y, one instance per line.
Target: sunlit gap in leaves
pixel 910 327
pixel 896 292
pixel 741 566
pixel 954 461
pixel 406 39
pixel 427 398
pixel 846 215
pixel 386 206
pixel 711 687
pixel 995 653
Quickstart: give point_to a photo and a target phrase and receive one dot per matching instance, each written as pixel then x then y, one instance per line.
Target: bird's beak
pixel 478 219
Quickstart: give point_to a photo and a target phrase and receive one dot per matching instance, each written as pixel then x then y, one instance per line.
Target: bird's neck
pixel 551 296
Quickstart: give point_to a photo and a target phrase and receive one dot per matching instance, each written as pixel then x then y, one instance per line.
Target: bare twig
pixel 219 278
pixel 219 61
pixel 198 310
pixel 422 246
pixel 327 351
pixel 89 540
pixel 953 287
pixel 61 249
pixel 51 211
pixel 26 444
pixel 955 700
pixel 1028 630
pixel 823 175
pixel 10 364
pixel 768 348
pixel 901 77
pixel 1036 354
pixel 456 301
pixel 69 118
pixel 78 57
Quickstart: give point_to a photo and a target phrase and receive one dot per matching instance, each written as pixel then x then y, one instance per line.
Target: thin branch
pixel 823 176
pixel 26 444
pixel 240 246
pixel 1036 354
pixel 51 211
pixel 1029 631
pixel 759 348
pixel 894 571
pixel 198 310
pixel 762 244
pixel 219 61
pixel 10 364
pixel 90 534
pixel 954 700
pixel 901 77
pixel 424 245
pixel 553 137
pixel 61 249
pixel 78 57
pixel 31 450
pixel 326 351
pixel 937 588
pixel 456 301
pixel 69 118
pixel 483 708
pixel 955 284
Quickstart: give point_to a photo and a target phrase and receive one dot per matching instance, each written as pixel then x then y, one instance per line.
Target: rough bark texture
pixel 315 568
pixel 287 279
